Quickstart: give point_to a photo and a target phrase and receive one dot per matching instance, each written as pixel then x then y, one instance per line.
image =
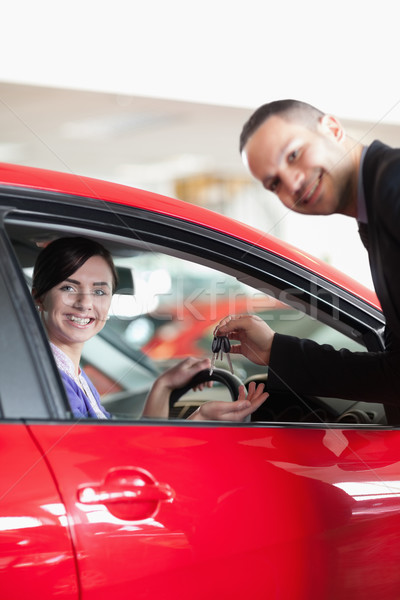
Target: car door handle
pixel 128 493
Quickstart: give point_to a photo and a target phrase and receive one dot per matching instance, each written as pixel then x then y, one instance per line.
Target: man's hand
pixel 253 334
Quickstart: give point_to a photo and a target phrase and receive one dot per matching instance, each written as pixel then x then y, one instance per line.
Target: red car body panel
pixel 92 188
pixel 323 520
pixel 37 559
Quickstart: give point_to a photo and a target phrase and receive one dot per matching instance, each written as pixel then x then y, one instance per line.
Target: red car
pixel 302 503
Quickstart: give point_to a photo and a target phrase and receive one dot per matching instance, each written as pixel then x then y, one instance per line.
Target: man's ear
pixel 332 128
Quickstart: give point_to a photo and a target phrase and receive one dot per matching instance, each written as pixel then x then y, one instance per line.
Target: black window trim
pixel 53 400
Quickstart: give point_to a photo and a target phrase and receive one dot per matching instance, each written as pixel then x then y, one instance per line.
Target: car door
pixel 37 558
pixel 177 510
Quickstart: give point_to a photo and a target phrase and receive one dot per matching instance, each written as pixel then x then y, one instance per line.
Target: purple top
pixel 83 397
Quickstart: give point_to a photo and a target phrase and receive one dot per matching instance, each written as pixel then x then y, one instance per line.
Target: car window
pixel 177 304
pixel 165 310
pixel 172 315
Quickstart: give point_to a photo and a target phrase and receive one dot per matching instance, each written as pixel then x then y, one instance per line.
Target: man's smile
pixel 309 195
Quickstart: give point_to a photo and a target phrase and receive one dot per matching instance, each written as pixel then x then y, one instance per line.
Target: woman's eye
pixel 293 155
pixel 67 288
pixel 99 293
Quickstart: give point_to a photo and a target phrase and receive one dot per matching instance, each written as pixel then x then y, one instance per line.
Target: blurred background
pixel 154 95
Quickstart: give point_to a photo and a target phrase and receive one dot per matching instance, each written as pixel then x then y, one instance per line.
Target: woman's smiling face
pixel 76 309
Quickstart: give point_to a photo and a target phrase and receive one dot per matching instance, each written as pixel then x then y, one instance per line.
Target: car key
pixel 215 349
pixel 220 346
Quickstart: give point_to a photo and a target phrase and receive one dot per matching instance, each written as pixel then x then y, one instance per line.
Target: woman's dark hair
pixel 291 110
pixel 61 258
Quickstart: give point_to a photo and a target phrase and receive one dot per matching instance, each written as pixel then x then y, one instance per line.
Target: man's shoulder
pixel 381 166
pixel 381 183
pixel 377 150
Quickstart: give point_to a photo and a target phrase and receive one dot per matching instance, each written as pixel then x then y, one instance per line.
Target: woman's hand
pixel 182 373
pixel 253 334
pixel 157 402
pixel 216 410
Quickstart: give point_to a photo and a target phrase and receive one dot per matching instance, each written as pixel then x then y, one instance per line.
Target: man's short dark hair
pixel 291 110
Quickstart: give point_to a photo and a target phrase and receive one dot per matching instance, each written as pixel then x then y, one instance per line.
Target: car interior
pixel 166 308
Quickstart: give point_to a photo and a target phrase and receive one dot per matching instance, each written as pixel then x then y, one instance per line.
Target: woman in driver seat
pixel 73 282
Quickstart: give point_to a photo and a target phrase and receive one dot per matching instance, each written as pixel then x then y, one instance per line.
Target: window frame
pixel 29 381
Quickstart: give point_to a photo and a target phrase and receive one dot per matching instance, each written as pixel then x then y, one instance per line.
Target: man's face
pixel 309 170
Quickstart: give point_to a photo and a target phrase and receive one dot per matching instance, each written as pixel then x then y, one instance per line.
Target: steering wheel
pixel 232 382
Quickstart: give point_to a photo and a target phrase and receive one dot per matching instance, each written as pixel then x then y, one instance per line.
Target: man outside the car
pixel 305 157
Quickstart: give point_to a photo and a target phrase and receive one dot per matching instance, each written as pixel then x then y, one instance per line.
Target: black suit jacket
pixel 304 367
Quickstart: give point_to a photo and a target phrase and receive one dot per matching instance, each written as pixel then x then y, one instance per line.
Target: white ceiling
pixel 341 56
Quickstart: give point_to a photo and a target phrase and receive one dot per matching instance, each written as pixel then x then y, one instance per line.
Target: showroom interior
pixel 154 96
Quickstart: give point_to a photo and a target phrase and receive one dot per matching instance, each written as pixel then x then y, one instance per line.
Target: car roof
pixel 18 176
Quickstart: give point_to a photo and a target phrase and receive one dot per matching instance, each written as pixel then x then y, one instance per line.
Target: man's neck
pixel 354 157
